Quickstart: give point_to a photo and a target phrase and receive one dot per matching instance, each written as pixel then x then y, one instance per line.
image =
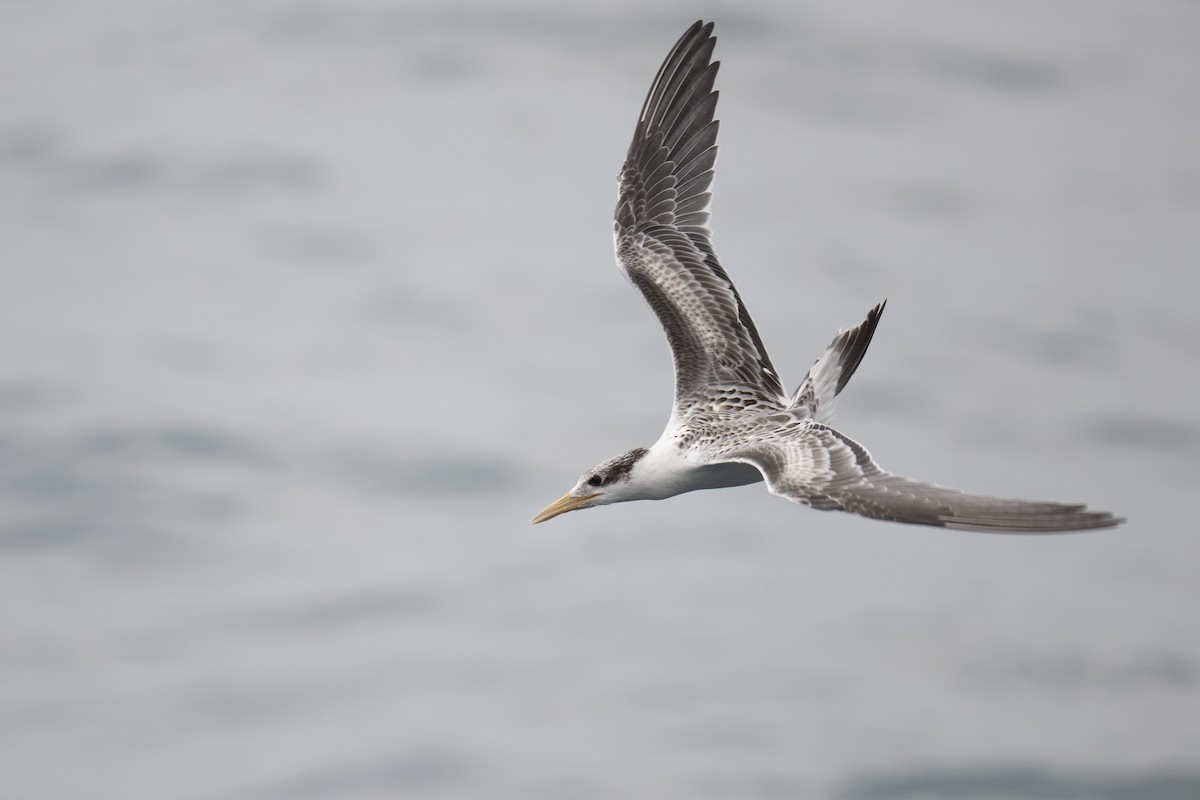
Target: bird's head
pixel 609 482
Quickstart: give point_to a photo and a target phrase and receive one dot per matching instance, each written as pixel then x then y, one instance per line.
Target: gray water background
pixel 307 307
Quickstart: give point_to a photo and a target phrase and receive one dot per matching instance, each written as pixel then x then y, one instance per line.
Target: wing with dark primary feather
pixel 818 466
pixel 662 237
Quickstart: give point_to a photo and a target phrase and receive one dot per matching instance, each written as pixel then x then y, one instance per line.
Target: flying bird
pixel 732 422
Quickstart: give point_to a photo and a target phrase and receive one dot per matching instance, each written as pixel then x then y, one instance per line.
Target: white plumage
pixel 732 422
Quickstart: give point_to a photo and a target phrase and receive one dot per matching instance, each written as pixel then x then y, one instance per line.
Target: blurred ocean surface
pixel 308 307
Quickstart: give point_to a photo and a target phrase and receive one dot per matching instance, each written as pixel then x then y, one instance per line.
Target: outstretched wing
pixel 818 466
pixel 831 372
pixel 662 237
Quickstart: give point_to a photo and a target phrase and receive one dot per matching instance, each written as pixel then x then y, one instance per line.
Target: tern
pixel 732 423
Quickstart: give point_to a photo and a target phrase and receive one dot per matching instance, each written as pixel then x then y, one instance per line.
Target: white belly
pixel 664 473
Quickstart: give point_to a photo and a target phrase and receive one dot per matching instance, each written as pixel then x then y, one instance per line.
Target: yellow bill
pixel 568 502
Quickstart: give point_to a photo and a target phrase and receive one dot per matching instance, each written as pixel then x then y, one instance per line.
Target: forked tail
pixel 832 371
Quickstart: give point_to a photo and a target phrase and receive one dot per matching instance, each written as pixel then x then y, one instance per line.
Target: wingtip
pixel 1068 520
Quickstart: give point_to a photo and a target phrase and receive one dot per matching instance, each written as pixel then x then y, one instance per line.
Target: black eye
pixel 595 480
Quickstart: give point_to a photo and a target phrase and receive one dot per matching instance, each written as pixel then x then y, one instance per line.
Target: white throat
pixel 665 472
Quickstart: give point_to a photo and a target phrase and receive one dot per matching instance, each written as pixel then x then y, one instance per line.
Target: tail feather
pixel 830 373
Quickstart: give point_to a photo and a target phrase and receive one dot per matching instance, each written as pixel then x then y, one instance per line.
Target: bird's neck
pixel 665 472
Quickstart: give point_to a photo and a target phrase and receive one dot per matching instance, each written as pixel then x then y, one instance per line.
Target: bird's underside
pixel 730 408
pixel 811 463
